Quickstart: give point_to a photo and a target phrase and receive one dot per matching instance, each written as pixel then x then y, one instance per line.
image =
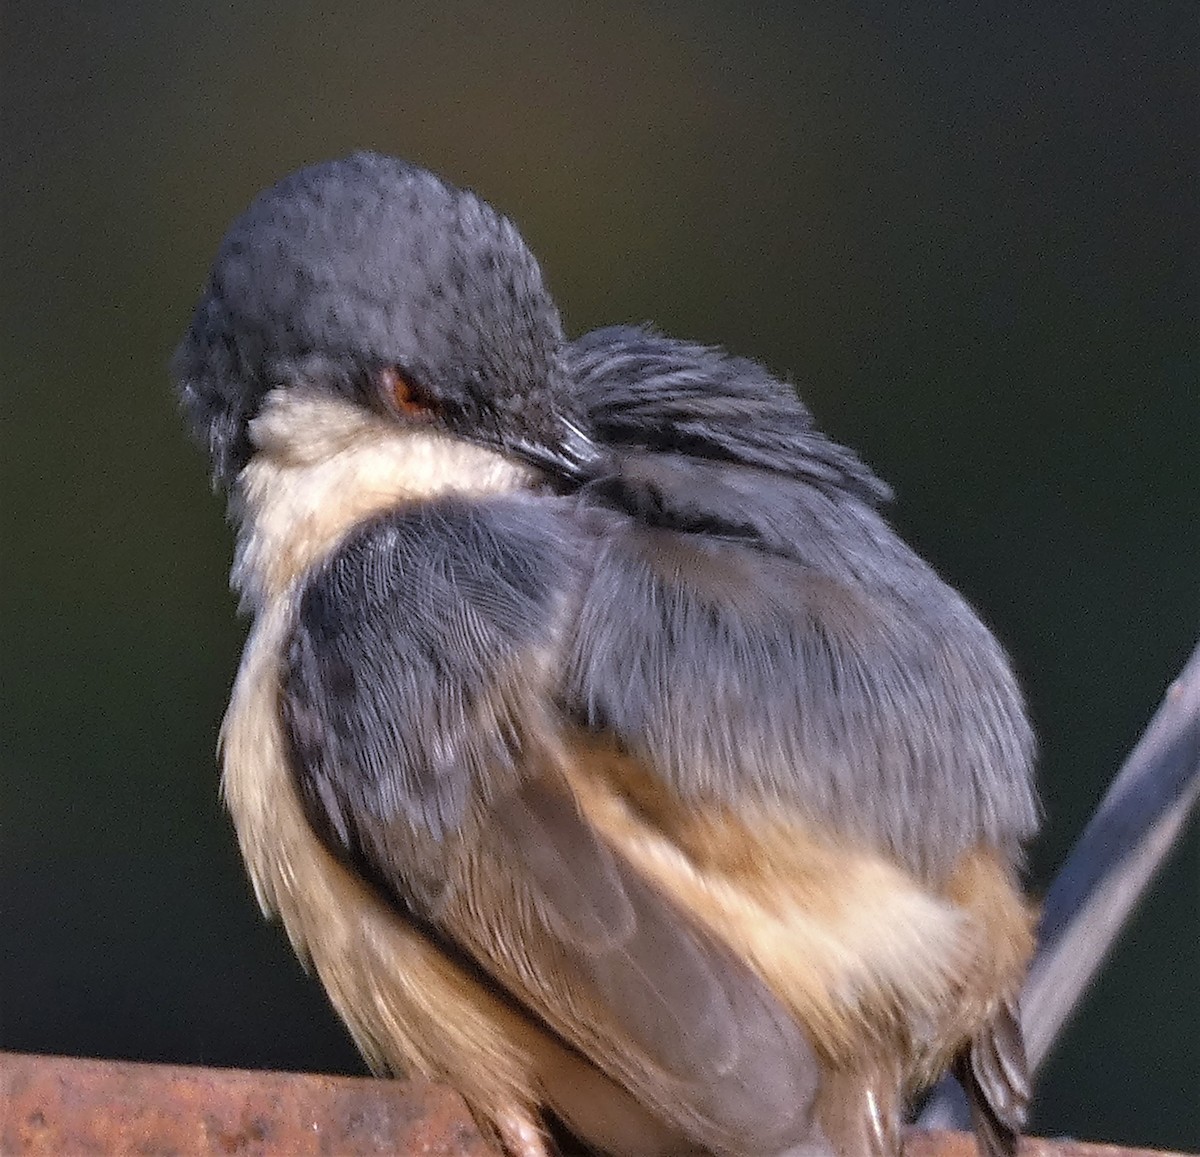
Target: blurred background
pixel 968 232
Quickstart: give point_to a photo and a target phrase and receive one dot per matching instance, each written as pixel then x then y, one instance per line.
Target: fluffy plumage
pixel 369 262
pixel 644 391
pixel 598 740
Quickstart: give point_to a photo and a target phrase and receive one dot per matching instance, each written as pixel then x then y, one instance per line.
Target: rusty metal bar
pixel 64 1107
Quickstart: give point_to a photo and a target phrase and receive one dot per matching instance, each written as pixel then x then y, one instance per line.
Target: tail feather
pixel 995 1076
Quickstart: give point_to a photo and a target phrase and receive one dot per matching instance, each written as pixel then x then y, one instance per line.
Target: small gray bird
pixel 596 740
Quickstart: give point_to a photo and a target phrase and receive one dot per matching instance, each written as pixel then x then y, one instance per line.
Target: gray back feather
pixel 776 639
pixel 644 391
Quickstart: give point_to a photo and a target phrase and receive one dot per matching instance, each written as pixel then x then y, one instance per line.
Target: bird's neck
pixel 323 466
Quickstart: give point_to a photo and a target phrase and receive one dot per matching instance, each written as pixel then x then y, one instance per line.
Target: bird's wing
pixel 813 656
pixel 884 715
pixel 778 642
pixel 417 696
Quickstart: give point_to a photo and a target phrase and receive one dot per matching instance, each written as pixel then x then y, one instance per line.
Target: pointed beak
pixel 572 459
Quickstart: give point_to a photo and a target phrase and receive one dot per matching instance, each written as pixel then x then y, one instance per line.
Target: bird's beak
pixel 572 459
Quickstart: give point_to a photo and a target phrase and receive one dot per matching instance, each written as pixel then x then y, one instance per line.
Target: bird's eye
pixel 402 395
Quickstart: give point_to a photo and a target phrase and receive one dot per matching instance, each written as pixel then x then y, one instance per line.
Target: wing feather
pixel 418 699
pixel 777 638
pixel 724 607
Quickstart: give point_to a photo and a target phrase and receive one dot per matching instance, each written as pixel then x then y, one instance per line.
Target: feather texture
pixel 440 778
pixel 686 800
pixel 442 661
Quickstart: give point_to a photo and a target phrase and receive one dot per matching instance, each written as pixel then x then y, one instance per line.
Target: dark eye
pixel 402 395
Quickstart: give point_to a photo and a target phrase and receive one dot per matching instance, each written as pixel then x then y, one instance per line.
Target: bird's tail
pixel 993 1072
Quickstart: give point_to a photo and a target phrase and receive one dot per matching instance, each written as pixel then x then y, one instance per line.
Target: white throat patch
pixel 322 465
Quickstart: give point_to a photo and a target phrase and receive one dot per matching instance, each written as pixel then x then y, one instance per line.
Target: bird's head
pixel 372 282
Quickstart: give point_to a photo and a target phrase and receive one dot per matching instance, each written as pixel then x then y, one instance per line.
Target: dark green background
pixel 967 231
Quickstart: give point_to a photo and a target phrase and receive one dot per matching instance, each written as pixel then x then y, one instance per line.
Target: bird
pixel 597 741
